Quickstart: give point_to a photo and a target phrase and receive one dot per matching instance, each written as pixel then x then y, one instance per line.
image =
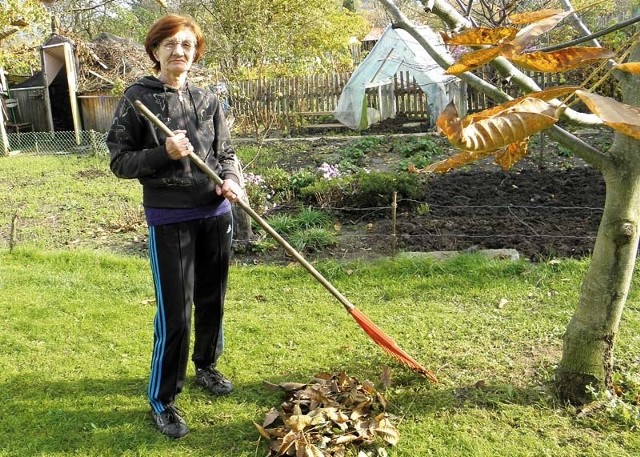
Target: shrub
pixel 300 180
pixel 278 184
pixel 257 193
pixel 376 188
pixel 328 193
pixel 313 239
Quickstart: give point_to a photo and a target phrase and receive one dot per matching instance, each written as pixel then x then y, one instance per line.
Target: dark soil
pixel 540 213
pixel 544 207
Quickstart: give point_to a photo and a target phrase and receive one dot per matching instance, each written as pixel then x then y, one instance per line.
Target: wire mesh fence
pixel 68 142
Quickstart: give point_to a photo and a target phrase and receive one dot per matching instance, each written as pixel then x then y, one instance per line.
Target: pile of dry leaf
pixel 328 416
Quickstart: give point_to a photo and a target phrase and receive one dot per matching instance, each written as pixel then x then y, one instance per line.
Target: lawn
pixel 76 332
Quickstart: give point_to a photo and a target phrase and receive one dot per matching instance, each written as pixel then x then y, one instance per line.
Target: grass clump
pixel 307 230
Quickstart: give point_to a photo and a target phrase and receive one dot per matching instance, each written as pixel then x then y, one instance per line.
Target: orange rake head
pixel 385 342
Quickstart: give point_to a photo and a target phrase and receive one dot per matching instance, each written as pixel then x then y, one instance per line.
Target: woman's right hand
pixel 178 146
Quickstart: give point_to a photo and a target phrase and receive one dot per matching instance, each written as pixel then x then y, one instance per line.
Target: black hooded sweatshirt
pixel 137 147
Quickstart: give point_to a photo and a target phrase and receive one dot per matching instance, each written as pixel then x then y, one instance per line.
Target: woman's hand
pixel 178 146
pixel 230 190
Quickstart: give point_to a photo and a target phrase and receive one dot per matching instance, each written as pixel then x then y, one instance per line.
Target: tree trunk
pixel 589 340
pixel 587 357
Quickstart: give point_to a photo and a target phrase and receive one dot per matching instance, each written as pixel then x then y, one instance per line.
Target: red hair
pixel 168 26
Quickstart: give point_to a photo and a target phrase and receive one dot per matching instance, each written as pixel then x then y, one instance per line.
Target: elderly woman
pixel 189 218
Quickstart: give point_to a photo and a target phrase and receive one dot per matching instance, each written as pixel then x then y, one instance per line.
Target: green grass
pixel 76 312
pixel 75 342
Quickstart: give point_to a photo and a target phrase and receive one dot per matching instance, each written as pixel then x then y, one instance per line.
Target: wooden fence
pixel 318 95
pixel 301 94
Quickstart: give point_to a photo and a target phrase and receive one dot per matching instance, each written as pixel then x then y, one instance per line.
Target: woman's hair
pixel 168 26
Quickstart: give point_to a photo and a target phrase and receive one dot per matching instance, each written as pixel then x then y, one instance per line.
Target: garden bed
pixel 548 206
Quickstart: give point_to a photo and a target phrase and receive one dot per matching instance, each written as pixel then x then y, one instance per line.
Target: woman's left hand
pixel 230 190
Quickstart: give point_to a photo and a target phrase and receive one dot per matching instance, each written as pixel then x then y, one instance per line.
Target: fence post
pixel 394 235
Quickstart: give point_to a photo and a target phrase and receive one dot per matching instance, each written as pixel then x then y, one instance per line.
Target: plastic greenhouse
pixel 396 51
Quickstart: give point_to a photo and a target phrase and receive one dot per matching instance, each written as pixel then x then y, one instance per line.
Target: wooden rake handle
pixel 255 216
pixel 376 334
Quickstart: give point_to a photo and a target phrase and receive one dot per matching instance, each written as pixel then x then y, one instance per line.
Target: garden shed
pixel 397 51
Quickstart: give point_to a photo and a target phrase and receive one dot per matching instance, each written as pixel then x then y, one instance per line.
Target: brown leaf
pixel 540 27
pixel 481 36
pixel 386 430
pixel 455 161
pixel 343 439
pixel 558 61
pixel 19 22
pixel 629 67
pixel 474 59
pixel 496 132
pixel 448 122
pixel 512 154
pixel 310 450
pixel 532 16
pixel 619 116
pixel 288 441
pixel 546 95
pixel 338 417
pixel 323 375
pixel 271 417
pixel 285 386
pixel 263 432
pixel 298 422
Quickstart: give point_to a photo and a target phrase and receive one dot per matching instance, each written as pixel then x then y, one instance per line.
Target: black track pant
pixel 190 265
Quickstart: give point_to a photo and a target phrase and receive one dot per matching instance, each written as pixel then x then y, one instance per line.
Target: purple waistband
pixel 162 216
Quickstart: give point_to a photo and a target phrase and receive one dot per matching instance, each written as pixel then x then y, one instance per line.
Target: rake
pixel 374 332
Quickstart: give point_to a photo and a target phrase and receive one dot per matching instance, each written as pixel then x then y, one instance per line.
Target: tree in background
pixel 245 38
pixel 256 38
pixel 588 350
pixel 124 18
pixel 23 25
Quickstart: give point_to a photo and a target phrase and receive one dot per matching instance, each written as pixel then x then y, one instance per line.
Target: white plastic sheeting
pixel 396 51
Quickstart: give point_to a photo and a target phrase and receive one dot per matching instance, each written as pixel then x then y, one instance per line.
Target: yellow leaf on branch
pixel 532 16
pixel 513 153
pixel 496 132
pixel 455 161
pixel 512 125
pixel 474 59
pixel 629 67
pixel 621 117
pixel 545 95
pixel 448 122
pixel 558 61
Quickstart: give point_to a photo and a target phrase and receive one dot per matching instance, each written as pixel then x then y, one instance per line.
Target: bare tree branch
pixel 577 22
pixel 608 30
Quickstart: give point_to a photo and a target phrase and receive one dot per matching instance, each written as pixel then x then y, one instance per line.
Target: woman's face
pixel 175 53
